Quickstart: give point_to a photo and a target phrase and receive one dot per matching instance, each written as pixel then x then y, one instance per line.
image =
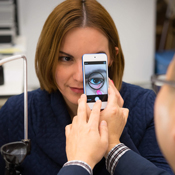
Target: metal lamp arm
pixel 8 59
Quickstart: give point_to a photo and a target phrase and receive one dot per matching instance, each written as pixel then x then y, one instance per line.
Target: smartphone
pixel 95 78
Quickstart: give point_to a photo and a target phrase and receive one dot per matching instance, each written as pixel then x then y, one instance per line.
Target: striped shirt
pixel 111 160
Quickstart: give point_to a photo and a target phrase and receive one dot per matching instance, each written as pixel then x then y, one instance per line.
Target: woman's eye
pixel 65 59
pixel 96 81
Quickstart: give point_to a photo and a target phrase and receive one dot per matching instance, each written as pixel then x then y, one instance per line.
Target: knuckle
pixel 67 127
pixel 114 110
pixel 75 118
pixel 125 112
pixel 116 96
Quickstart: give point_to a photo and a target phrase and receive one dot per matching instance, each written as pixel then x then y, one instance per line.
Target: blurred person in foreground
pixel 165 116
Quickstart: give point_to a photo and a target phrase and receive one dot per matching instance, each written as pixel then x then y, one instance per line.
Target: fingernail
pixel 103 123
pixel 98 101
pixel 83 96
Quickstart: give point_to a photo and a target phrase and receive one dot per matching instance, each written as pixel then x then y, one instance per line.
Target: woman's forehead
pixel 84 40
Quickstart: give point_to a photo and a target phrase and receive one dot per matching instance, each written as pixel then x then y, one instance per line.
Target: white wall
pixel 135 21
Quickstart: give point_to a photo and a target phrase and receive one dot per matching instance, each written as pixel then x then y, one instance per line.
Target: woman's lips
pixel 77 90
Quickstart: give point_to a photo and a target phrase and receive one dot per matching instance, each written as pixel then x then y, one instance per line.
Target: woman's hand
pixel 115 116
pixel 87 140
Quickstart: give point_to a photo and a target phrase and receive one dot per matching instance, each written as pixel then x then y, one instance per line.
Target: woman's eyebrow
pixel 101 52
pixel 65 53
pixel 72 56
pixel 95 71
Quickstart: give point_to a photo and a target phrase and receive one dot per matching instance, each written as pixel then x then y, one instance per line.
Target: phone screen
pixel 96 81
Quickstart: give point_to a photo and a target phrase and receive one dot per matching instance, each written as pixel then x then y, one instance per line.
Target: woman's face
pixel 69 75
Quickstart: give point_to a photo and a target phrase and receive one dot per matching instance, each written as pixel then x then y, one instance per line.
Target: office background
pixel 135 21
pixel 140 24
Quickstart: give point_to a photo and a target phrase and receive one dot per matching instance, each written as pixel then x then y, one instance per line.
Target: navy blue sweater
pixel 48 117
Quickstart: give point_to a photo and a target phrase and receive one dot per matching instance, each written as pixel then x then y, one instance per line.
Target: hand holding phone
pixel 95 78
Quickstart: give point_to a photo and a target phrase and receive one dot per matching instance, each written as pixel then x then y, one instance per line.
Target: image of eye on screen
pixel 96 81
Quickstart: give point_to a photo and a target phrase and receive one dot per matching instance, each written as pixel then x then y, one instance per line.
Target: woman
pixel 72 29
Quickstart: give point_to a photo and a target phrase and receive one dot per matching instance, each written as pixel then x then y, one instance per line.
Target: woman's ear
pixel 111 61
pixel 117 50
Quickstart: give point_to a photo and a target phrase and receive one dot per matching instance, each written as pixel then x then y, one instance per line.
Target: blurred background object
pixel 1 75
pixel 165 25
pixel 135 21
pixel 11 43
pixel 14 153
pixel 141 25
pixel 165 36
pixel 9 28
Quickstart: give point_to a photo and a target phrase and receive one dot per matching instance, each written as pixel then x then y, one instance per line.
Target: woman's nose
pixel 78 72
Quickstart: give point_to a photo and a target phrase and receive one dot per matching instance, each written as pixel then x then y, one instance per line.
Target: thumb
pixel 104 131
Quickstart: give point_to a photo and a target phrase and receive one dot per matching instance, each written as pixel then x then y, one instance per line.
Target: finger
pixel 120 100
pixel 112 103
pixel 88 110
pixel 75 122
pixel 111 83
pixel 81 111
pixel 112 100
pixel 104 131
pixel 95 114
pixel 68 129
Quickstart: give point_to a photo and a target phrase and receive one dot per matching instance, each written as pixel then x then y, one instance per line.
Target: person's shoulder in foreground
pixel 165 115
pixel 140 124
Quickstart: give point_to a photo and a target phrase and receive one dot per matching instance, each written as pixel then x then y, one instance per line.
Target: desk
pixel 13 72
